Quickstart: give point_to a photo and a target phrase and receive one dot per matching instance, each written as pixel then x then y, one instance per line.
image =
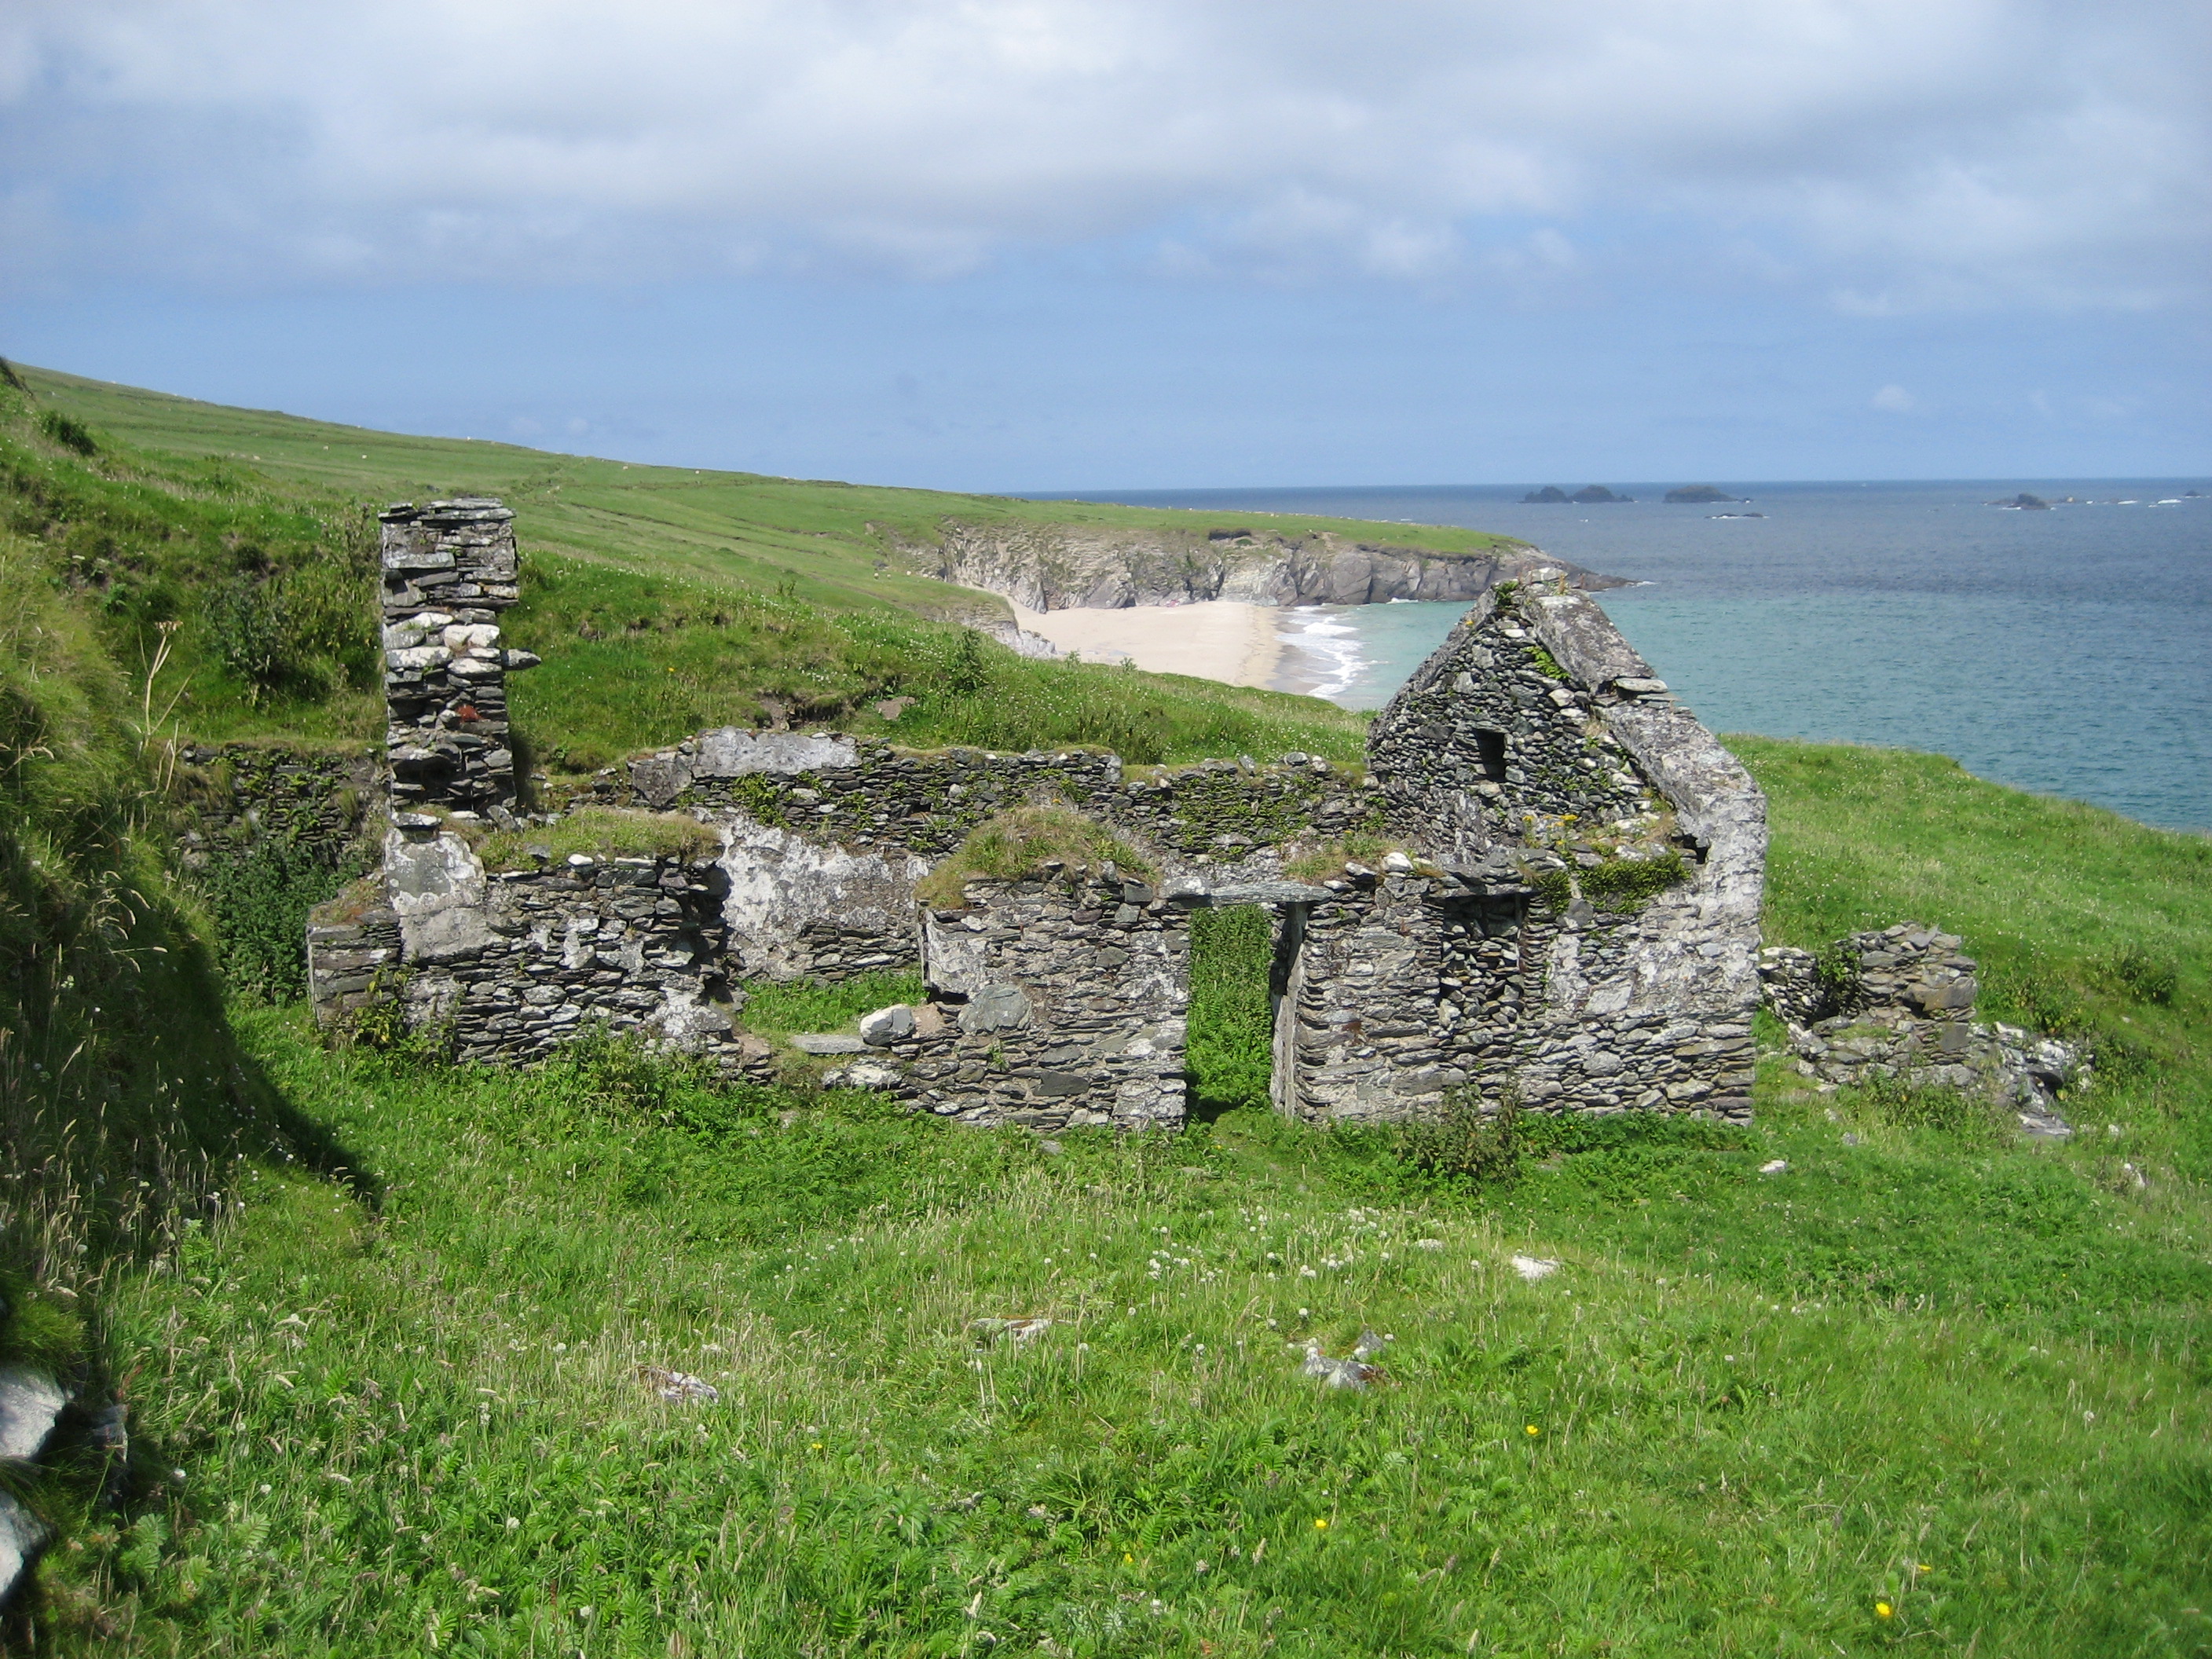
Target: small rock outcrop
pixel 1588 495
pixel 1697 494
pixel 31 1404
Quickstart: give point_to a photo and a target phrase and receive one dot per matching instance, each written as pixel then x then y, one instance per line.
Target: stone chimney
pixel 449 570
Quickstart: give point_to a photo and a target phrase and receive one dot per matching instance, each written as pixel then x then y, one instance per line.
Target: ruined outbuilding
pixel 1567 916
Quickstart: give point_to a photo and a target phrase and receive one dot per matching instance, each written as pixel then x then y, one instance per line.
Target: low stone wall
pixel 352 953
pixel 865 794
pixel 509 964
pixel 1902 1009
pixel 1054 1005
pixel 829 834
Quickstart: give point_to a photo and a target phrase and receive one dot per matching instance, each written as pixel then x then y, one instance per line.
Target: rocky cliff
pixel 1062 567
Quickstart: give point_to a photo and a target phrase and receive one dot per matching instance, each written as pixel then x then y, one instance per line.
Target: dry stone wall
pixel 1534 754
pixel 506 965
pixel 865 794
pixel 1055 1004
pixel 1491 735
pixel 1409 986
pixel 827 834
pixel 450 568
pixel 1898 1006
pixel 240 792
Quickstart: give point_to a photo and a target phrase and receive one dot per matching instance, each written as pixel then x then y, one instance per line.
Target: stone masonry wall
pixel 449 570
pixel 321 799
pixel 1536 708
pixel 1902 1008
pixel 1054 1005
pixel 865 793
pixel 829 834
pixel 511 963
pixel 1493 731
pixel 1407 986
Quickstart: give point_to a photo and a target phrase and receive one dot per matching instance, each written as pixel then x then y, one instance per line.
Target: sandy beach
pixel 1213 639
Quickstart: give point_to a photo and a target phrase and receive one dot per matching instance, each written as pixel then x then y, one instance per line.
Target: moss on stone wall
pixel 1031 841
pixel 602 832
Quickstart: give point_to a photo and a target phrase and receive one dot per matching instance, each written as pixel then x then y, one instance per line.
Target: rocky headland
pixel 1063 567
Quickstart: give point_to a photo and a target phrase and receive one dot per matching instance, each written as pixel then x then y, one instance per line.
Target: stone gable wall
pixel 1490 732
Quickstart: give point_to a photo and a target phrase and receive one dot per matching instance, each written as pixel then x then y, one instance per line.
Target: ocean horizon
pixel 2068 651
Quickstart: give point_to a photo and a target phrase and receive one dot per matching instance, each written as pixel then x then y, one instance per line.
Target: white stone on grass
pixel 30 1400
pixel 1533 1267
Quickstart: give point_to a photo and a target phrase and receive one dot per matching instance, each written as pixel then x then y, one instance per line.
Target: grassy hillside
pixel 828 543
pixel 1927 1387
pixel 123 1095
pixel 266 565
pixel 394 1375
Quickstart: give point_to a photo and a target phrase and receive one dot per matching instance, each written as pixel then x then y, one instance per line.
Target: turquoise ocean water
pixel 2069 651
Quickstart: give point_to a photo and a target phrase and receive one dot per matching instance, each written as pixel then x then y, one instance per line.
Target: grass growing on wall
pixel 1019 844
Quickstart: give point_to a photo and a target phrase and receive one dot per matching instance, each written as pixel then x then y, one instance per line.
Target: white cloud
pixel 1895 399
pixel 1899 154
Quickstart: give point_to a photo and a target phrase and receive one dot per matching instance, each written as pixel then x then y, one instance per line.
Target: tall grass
pixel 1230 1031
pixel 427 1429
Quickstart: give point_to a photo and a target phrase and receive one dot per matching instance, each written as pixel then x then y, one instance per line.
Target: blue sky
pixel 1025 245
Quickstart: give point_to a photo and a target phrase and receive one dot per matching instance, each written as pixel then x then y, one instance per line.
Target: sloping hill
pixel 837 544
pixel 663 601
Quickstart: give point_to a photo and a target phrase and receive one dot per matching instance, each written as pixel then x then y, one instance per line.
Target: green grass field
pixel 393 1333
pixel 1938 1371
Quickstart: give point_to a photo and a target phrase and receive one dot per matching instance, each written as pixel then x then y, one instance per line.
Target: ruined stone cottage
pixel 1567 914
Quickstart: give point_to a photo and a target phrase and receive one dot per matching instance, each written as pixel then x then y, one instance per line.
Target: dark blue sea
pixel 2067 651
